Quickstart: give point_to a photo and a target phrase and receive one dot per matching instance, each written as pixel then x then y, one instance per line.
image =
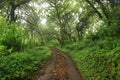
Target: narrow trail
pixel 60 68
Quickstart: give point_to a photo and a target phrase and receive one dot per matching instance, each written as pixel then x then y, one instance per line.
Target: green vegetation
pixel 97 60
pixel 20 65
pixel 87 29
pixel 19 58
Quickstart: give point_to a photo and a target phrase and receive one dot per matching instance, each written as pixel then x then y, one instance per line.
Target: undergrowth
pixel 97 60
pixel 20 65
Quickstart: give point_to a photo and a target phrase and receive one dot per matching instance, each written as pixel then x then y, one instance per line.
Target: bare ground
pixel 60 68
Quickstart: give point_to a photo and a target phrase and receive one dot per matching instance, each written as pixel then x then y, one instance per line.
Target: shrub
pixel 10 35
pixel 22 64
pixel 97 60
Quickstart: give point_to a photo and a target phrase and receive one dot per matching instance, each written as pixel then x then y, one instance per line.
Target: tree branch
pixel 99 14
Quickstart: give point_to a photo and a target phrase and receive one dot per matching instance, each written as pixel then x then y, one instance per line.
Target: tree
pixel 61 14
pixel 11 7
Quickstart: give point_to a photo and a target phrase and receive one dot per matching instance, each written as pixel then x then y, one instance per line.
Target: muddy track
pixel 61 68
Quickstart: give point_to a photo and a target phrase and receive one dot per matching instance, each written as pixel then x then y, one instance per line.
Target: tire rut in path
pixel 61 68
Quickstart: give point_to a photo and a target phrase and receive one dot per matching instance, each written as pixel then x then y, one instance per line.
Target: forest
pixel 59 39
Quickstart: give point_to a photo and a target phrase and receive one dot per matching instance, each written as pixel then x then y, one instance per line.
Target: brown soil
pixel 60 68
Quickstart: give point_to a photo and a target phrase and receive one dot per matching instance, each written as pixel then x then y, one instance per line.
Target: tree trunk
pixel 12 13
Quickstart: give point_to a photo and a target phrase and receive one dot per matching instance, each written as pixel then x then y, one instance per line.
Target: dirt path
pixel 60 68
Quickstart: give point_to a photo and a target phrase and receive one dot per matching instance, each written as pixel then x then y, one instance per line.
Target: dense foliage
pixel 97 60
pixel 21 65
pixel 17 61
pixel 11 35
pixel 88 29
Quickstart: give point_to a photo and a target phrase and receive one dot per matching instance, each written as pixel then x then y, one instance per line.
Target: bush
pixel 20 65
pixel 10 35
pixel 97 60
